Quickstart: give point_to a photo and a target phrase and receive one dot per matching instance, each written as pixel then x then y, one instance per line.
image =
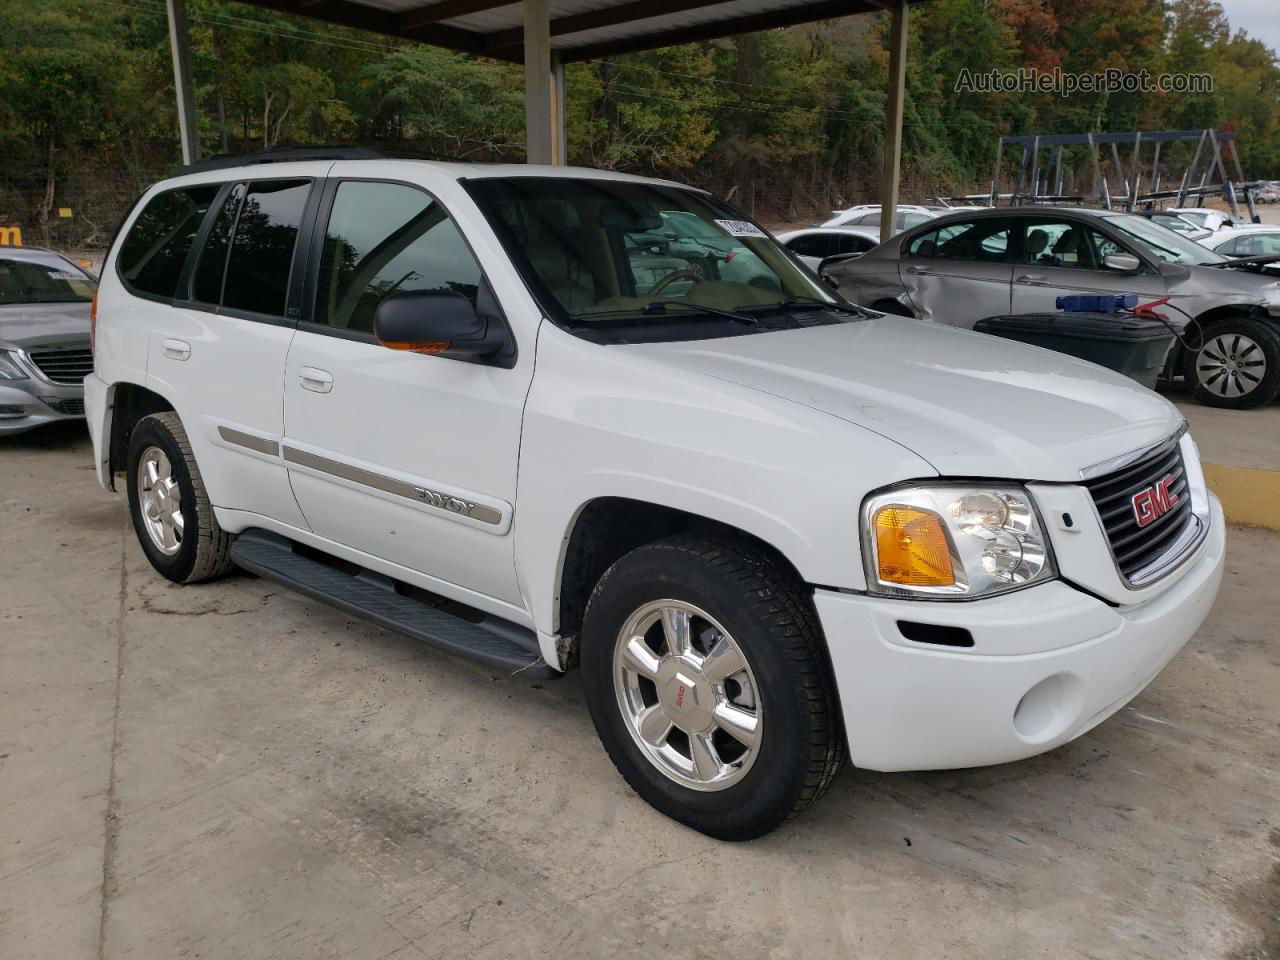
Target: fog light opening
pixel 1049 708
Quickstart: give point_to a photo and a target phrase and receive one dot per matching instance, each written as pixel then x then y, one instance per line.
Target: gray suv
pixel 45 303
pixel 962 267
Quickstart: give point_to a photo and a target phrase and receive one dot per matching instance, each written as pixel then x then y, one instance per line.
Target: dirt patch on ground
pixel 1259 904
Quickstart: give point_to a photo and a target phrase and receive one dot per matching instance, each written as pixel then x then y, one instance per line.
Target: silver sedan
pixel 963 267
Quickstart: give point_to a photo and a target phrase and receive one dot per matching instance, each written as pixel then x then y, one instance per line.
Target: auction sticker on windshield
pixel 740 228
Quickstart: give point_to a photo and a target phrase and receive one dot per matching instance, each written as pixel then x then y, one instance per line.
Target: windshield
pixel 34 281
pixel 1162 241
pixel 605 251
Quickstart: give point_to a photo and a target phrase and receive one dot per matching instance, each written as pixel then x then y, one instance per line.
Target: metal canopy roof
pixel 580 29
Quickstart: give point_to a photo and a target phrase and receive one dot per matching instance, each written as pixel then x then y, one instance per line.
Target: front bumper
pixel 27 404
pixel 1048 664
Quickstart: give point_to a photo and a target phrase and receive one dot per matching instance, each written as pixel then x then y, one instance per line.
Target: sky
pixel 1261 18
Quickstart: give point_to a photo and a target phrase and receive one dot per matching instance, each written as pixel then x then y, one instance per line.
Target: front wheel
pixel 709 685
pixel 1237 366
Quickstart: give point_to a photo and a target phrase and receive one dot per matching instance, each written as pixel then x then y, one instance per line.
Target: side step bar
pixel 373 597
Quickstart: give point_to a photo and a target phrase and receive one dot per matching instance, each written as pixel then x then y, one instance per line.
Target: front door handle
pixel 315 379
pixel 1032 279
pixel 177 349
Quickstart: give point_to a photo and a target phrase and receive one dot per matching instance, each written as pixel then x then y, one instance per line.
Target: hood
pixel 972 405
pixel 1239 285
pixel 29 325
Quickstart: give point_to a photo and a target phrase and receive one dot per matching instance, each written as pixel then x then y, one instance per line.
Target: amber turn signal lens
pixel 424 346
pixel 911 547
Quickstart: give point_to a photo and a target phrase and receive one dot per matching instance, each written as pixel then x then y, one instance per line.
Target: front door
pixel 406 457
pixel 1060 256
pixel 959 273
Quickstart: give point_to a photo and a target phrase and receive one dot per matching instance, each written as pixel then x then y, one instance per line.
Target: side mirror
pixel 1123 262
pixel 440 322
pixel 835 261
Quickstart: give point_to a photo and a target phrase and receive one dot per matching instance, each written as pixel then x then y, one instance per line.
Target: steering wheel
pixel 682 274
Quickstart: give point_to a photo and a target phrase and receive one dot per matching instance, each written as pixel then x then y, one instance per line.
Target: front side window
pixel 261 256
pixel 385 238
pixel 43 281
pixel 973 240
pixel 588 245
pixel 1059 244
pixel 811 245
pixel 156 247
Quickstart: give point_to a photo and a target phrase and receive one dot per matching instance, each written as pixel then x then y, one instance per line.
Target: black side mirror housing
pixel 835 261
pixel 445 323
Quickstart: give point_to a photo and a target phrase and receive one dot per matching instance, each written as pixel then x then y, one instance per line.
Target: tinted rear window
pixel 261 256
pixel 156 247
pixel 213 258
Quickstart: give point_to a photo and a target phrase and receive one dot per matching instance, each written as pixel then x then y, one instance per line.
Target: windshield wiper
pixel 854 309
pixel 659 307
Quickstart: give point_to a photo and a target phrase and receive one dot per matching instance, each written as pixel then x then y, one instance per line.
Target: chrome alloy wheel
pixel 160 501
pixel 1231 365
pixel 687 695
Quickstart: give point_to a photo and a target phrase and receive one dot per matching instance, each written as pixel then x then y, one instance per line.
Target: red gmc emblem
pixel 680 697
pixel 1154 502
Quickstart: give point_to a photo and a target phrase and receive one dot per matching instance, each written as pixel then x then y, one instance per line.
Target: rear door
pixel 1062 255
pixel 403 456
pixel 959 273
pixel 218 348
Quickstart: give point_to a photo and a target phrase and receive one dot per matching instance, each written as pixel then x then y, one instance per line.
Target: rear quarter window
pixel 156 247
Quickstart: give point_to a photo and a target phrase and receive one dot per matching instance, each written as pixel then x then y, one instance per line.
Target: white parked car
pixel 771 528
pixel 905 217
pixel 814 244
pixel 1251 240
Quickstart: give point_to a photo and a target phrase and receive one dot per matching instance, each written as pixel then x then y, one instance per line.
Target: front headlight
pixel 9 369
pixel 952 541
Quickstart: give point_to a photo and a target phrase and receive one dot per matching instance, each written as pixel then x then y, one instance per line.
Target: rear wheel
pixel 171 512
pixel 1237 366
pixel 709 685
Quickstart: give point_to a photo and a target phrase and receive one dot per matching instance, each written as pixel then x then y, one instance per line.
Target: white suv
pixel 771 528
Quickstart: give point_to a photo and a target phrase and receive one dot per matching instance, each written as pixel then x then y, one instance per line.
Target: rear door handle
pixel 315 379
pixel 177 349
pixel 919 271
pixel 1032 279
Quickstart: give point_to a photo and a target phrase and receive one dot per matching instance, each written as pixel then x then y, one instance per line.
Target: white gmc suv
pixel 488 407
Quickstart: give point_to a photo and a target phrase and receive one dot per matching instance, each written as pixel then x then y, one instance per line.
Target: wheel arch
pixel 129 403
pixel 606 528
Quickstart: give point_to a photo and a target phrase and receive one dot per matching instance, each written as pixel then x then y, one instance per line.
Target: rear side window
pixel 261 255
pixel 812 245
pixel 213 258
pixel 156 247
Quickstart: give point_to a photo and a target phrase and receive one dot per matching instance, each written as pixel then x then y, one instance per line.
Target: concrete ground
pixel 232 771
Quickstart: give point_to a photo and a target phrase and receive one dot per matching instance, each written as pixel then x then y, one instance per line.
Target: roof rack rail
pixel 290 154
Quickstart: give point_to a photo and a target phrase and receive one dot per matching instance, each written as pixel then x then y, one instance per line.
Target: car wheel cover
pixel 1231 365
pixel 160 501
pixel 687 695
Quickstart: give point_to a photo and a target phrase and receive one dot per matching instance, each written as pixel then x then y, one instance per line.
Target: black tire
pixel 1205 372
pixel 203 552
pixel 771 617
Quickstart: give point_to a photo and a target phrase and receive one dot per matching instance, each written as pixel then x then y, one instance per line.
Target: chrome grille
pixel 64 364
pixel 1137 547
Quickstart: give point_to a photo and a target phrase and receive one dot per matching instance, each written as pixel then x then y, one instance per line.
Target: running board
pixel 371 596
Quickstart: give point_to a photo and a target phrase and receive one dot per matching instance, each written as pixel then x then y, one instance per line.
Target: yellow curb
pixel 1249 497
